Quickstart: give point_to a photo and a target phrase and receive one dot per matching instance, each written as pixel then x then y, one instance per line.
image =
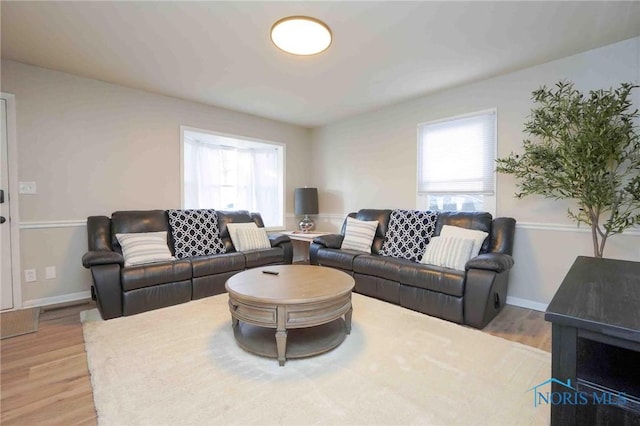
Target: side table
pixel 303 240
pixel 595 354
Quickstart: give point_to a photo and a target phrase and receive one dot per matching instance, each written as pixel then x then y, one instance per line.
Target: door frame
pixel 14 218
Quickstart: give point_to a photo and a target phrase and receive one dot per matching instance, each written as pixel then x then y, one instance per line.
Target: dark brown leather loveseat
pixel 472 297
pixel 121 290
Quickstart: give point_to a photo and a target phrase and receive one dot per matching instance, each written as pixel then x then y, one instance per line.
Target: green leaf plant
pixel 585 148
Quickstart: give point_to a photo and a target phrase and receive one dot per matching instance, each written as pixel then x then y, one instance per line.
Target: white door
pixel 6 297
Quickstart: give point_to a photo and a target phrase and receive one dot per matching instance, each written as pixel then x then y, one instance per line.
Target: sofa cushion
pixel 378 266
pixel 409 233
pixel 450 252
pixel 144 247
pixel 247 236
pixel 257 258
pixel 217 264
pixel 337 258
pixel 478 237
pixel 359 235
pixel 434 278
pixel 195 232
pixel 155 297
pixel 152 274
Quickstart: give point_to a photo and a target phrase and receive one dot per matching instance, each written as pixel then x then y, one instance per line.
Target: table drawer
pixel 262 316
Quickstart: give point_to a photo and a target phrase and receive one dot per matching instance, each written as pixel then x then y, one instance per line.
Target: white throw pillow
pixel 450 252
pixel 144 247
pixel 359 234
pixel 478 237
pixel 247 236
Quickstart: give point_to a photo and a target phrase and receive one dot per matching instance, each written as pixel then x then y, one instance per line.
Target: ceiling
pixel 219 53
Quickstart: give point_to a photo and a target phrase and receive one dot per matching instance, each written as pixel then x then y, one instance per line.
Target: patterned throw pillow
pixel 195 232
pixel 359 235
pixel 450 252
pixel 144 247
pixel 409 233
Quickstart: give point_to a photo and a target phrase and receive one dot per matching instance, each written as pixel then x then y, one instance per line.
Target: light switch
pixel 27 187
pixel 50 272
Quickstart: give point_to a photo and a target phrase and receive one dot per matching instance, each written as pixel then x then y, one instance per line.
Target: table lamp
pixel 306 203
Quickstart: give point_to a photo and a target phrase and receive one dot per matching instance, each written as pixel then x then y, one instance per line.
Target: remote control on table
pixel 270 272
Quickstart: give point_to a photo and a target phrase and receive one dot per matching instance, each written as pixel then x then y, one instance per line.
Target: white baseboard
pixel 65 298
pixel 525 303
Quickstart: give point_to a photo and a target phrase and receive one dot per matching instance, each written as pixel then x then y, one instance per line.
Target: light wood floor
pixel 45 379
pixel 44 375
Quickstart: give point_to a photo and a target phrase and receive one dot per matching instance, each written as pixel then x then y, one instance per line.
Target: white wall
pixel 93 148
pixel 369 161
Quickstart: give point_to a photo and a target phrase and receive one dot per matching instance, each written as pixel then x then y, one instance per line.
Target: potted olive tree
pixel 585 148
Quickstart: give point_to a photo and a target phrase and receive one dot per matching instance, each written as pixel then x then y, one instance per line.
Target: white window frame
pixel 489 201
pixel 283 179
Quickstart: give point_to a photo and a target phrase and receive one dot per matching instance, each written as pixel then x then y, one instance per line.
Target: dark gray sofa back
pixel 102 230
pixel 501 230
pixel 381 215
pixel 502 235
pixel 133 221
pixel 239 216
pixel 99 233
pixel 479 221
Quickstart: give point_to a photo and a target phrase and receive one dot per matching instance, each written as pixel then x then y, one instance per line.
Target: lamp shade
pixel 305 201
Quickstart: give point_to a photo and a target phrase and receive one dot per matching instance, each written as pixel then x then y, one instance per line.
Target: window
pixel 233 173
pixel 456 157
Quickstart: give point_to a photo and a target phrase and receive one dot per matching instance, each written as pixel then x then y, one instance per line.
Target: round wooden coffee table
pixel 308 306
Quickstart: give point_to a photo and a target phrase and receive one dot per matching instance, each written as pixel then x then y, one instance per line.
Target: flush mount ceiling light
pixel 301 35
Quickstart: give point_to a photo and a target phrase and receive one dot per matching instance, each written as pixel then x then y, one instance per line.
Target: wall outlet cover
pixel 30 275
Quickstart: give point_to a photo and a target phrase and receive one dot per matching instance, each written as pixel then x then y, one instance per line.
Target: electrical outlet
pixel 30 275
pixel 26 187
pixel 50 272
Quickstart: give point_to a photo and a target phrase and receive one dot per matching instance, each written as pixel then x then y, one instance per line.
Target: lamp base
pixel 306 224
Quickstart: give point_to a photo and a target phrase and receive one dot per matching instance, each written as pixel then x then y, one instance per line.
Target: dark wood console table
pixel 595 318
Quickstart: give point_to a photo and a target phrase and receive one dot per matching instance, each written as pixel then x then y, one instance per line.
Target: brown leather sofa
pixel 120 290
pixel 472 297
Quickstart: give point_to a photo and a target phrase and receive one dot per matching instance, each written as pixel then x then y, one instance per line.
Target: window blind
pixel 457 156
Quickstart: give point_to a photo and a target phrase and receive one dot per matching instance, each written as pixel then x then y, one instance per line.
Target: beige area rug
pixel 16 323
pixel 181 366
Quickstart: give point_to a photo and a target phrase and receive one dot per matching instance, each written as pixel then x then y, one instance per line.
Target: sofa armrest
pixel 108 290
pixel 101 257
pixel 277 239
pixel 497 262
pixel 329 241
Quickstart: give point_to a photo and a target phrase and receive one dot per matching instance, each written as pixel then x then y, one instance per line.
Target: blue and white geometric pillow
pixel 409 233
pixel 195 232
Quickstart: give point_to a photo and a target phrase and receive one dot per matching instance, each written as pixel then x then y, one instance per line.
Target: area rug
pixel 182 366
pixel 16 323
